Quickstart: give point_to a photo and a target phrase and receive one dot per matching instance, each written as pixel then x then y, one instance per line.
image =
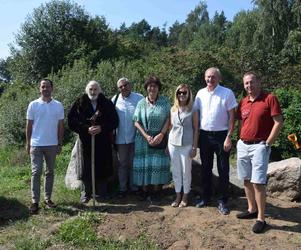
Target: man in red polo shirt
pixel 260 121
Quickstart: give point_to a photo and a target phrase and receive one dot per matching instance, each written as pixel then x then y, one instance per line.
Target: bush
pixel 290 100
pixel 13 106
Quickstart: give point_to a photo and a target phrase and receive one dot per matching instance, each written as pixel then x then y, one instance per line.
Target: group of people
pixel 152 135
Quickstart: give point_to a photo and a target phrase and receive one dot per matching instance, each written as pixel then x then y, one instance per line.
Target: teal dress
pixel 151 166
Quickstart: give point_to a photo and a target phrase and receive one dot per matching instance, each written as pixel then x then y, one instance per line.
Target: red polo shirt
pixel 257 116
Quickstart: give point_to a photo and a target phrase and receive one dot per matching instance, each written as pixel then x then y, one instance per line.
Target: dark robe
pixel 79 122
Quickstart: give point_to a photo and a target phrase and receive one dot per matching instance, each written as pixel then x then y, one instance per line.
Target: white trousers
pixel 181 167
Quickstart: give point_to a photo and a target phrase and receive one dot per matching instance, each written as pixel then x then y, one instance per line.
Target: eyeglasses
pixel 182 93
pixel 123 86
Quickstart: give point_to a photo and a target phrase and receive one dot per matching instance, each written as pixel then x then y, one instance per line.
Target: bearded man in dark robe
pixel 93 114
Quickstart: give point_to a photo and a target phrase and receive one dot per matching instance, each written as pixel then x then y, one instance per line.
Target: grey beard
pixel 92 98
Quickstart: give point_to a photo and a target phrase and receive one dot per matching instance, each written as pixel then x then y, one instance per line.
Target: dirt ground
pixel 200 228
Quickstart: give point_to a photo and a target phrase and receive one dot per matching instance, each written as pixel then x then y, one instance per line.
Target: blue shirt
pixel 125 107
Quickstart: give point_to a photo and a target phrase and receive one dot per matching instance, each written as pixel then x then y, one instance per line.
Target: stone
pixel 179 245
pixel 284 179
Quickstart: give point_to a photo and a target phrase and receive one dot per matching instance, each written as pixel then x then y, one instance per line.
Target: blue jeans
pixel 210 143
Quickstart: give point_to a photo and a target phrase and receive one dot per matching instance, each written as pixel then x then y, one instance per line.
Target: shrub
pixel 13 106
pixel 290 100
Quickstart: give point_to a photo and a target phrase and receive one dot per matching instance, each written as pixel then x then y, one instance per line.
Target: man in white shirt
pixel 216 106
pixel 125 104
pixel 44 136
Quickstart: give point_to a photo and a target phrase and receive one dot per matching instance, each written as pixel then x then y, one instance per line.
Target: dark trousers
pixel 210 143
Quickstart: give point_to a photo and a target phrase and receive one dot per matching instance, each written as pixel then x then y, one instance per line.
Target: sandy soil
pixel 200 228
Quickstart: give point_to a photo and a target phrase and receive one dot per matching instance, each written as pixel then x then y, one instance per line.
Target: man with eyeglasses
pixel 125 104
pixel 216 105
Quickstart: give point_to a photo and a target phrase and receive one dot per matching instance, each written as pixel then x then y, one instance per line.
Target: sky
pixel 155 12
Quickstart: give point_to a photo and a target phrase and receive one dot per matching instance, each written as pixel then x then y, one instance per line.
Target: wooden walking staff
pixel 93 119
pixel 293 138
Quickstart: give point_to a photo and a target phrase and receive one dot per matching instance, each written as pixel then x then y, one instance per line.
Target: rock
pixel 236 185
pixel 179 245
pixel 284 179
pixel 122 238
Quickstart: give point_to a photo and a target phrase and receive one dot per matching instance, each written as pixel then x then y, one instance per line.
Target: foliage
pixel 54 35
pixel 61 40
pixel 290 100
pixel 13 106
pixel 4 72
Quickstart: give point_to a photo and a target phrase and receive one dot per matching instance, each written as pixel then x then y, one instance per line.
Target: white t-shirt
pixel 213 107
pixel 45 117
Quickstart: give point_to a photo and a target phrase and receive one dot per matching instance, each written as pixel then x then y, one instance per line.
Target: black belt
pixel 251 142
pixel 221 132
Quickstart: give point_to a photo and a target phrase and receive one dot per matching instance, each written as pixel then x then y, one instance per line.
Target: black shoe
pixel 49 204
pixel 103 198
pixel 121 194
pixel 222 208
pixel 259 226
pixel 135 192
pixel 34 208
pixel 156 197
pixel 143 196
pixel 247 215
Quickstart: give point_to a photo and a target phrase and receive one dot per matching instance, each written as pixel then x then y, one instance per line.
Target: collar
pixel 40 100
pixel 124 98
pixel 215 89
pixel 259 97
pixel 152 103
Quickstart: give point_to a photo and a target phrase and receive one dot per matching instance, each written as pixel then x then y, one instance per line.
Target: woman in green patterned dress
pixel 151 168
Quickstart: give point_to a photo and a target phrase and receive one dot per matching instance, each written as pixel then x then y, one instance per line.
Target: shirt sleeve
pixel 137 113
pixel 61 112
pixel 275 106
pixel 231 102
pixel 30 113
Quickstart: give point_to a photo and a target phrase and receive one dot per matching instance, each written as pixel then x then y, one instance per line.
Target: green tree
pixel 296 14
pixel 194 20
pixel 4 71
pixel 174 33
pixel 56 34
pixel 274 24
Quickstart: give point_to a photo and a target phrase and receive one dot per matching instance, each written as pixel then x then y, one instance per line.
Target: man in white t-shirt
pixel 44 136
pixel 216 105
pixel 125 104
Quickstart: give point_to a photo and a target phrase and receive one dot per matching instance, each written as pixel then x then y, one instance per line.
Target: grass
pixel 69 226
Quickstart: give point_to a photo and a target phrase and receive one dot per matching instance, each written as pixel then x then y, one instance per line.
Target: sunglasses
pixel 182 93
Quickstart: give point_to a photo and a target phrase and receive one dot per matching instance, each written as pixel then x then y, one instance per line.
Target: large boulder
pixel 284 179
